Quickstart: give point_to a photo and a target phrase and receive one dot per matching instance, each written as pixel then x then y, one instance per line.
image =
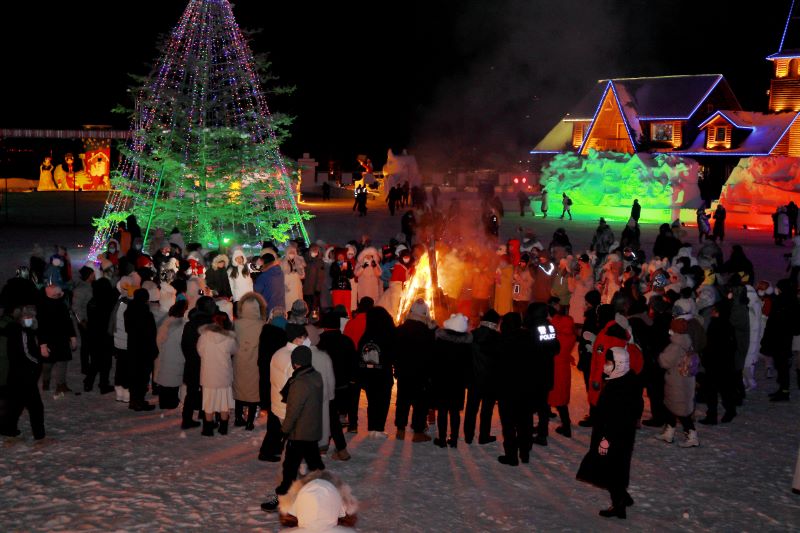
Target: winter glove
pixel 603 448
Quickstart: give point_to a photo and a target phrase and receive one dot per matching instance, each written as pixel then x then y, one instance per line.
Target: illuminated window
pixel 662 131
pixel 719 134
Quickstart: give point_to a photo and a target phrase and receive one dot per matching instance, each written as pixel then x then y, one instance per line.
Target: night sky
pixel 461 84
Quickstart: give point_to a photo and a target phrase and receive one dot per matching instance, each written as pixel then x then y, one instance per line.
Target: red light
pixel 516 180
pixel 524 180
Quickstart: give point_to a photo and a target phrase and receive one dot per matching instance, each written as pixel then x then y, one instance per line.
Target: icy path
pixel 104 467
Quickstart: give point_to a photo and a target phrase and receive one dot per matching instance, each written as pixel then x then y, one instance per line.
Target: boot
pixel 614 511
pixel 105 389
pixel 487 440
pixel 223 427
pixel 401 434
pixel 238 411
pixel 565 431
pixel 208 428
pixel 798 378
pixel 341 455
pixel 440 443
pixel 190 423
pixel 691 440
pixel 728 416
pixel 668 435
pixel 508 460
pixel 251 418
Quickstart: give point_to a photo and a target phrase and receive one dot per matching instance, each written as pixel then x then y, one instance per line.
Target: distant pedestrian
pixel 545 202
pixel 435 193
pixel 566 203
pixel 719 223
pixel 523 200
pixel 636 210
pixel 326 191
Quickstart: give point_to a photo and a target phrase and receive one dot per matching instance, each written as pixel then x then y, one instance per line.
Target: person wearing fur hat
pixel 482 389
pixel 319 502
pixel 368 273
pixel 302 423
pixel 560 286
pixel 679 385
pixel 25 358
pixel 452 370
pixel 216 345
pixel 57 339
pixel 239 279
pixel 252 315
pixel 217 277
pixel 580 283
pixel 377 351
pixel 415 339
pixel 607 464
pixel 140 326
pixel 204 313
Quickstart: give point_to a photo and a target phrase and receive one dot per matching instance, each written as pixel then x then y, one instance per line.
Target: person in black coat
pixel 452 369
pixel 666 245
pixel 19 291
pixel 24 368
pixel 101 342
pixel 636 210
pixel 719 364
pixel 142 348
pixel 482 390
pixel 57 338
pixel 607 464
pixel 415 348
pixel 515 401
pixel 271 339
pixel 377 351
pixel 343 356
pixel 202 314
pixel 545 349
pixel 590 325
pixel 782 326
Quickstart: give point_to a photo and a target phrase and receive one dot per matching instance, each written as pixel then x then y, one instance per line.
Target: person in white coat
pixel 580 283
pixel 239 276
pixel 756 330
pixel 216 347
pixel 322 363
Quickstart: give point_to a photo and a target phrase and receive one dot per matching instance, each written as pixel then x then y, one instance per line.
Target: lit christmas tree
pixel 203 154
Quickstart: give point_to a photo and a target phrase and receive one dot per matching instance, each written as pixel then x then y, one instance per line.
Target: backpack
pixel 569 200
pixel 689 364
pixel 370 356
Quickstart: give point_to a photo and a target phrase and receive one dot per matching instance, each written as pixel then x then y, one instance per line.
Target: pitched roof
pixel 558 139
pixel 767 129
pixel 790 40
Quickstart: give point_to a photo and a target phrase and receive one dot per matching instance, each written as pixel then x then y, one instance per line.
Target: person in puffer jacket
pixel 216 347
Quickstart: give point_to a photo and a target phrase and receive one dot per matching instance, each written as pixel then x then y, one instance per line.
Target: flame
pixel 419 286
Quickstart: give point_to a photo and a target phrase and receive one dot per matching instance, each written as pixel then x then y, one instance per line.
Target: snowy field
pixel 106 468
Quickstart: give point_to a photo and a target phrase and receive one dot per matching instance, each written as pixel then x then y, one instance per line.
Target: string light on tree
pixel 204 152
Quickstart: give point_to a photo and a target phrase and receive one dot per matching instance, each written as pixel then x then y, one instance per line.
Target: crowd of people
pixel 299 331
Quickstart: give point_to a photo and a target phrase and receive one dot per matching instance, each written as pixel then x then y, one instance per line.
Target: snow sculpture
pixel 761 184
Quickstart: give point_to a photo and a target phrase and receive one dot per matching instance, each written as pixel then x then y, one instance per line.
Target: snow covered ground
pixel 104 467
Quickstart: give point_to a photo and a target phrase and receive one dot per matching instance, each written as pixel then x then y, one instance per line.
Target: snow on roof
pixel 660 97
pixel 558 139
pixel 767 129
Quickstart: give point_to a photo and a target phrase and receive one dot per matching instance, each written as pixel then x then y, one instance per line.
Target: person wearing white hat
pixel 451 365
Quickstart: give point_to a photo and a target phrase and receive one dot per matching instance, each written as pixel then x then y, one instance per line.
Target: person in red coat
pixel 562 368
pixel 615 332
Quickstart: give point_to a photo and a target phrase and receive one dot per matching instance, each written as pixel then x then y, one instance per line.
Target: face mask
pixel 307 342
pixel 761 293
pixel 314 254
pixel 28 322
pixel 137 246
pixel 406 260
pixel 112 250
pixel 671 333
pixel 350 255
pixel 57 262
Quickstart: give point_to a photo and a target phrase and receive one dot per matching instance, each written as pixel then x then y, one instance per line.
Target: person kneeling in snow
pixel 319 502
